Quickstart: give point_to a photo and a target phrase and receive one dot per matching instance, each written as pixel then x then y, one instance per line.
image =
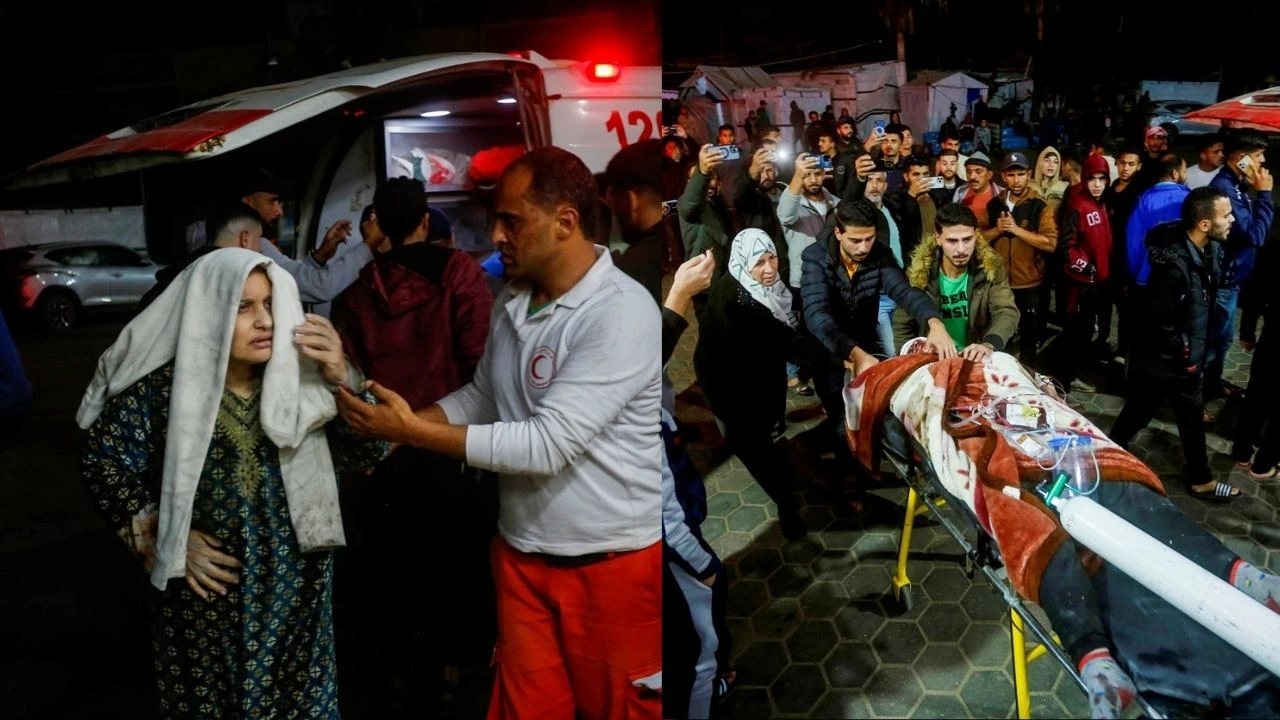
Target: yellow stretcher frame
pixel 1020 619
pixel 902 593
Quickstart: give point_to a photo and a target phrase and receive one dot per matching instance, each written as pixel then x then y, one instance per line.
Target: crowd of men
pixel 874 243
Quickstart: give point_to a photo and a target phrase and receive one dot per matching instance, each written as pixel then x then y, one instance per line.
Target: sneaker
pixel 1083 386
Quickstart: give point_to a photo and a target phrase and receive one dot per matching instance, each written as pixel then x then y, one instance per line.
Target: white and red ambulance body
pixel 333 138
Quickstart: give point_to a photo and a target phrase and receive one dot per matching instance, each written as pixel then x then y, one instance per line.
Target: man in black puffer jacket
pixel 841 284
pixel 1169 357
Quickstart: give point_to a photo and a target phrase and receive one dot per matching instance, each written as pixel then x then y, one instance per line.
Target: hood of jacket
pixel 927 256
pixel 1048 183
pixel 401 280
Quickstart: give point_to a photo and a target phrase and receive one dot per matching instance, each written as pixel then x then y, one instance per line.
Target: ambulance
pixel 451 121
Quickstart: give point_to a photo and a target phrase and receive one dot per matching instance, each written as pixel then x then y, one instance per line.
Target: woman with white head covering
pixel 746 334
pixel 209 453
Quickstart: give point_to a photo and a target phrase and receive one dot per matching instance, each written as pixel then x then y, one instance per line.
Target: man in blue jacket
pixel 1161 204
pixel 15 390
pixel 1244 170
pixel 1158 205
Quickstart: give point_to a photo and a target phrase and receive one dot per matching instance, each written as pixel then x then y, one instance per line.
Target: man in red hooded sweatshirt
pixel 417 321
pixel 1085 249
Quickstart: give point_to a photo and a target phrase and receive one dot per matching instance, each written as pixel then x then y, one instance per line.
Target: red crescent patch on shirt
pixel 541 367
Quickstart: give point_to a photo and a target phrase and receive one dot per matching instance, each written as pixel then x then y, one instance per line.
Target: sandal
pixel 1266 475
pixel 724 685
pixel 1221 492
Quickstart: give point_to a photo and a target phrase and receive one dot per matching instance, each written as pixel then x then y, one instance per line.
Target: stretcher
pixel 925 496
pixel 993 452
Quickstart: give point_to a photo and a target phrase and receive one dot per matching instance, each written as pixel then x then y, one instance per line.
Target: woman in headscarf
pixel 209 454
pixel 746 334
pixel 1048 176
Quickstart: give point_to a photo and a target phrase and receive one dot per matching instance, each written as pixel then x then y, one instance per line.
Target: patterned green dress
pixel 266 649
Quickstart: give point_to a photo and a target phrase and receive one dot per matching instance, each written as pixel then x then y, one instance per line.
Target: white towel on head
pixel 192 324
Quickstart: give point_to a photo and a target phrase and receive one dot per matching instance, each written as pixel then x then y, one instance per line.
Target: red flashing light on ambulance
pixel 603 72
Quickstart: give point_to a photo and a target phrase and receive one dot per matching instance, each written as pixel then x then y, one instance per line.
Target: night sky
pixel 1084 39
pixel 72 75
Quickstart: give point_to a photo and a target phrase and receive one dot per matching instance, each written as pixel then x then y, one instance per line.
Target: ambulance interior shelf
pixel 439 151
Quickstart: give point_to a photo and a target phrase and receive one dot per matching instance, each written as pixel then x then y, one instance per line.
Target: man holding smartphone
pixel 1245 171
pixel 1023 233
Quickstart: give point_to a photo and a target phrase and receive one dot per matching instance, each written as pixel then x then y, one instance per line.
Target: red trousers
pixel 578 641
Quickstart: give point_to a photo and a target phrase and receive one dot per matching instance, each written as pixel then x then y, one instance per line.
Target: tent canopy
pixel 723 83
pixel 868 90
pixel 927 99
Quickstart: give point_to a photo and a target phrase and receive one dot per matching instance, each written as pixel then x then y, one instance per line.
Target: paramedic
pixel 564 406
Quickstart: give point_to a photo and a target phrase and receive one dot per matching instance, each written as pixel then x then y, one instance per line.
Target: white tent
pixel 724 95
pixel 927 100
pixel 725 83
pixel 1013 89
pixel 869 90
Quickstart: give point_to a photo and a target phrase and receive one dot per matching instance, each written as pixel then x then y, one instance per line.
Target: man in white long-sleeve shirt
pixel 565 407
pixel 320 278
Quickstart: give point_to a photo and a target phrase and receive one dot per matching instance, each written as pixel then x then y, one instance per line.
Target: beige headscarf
pixel 192 324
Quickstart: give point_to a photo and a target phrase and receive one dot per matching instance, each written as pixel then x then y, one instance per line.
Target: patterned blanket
pixel 975 462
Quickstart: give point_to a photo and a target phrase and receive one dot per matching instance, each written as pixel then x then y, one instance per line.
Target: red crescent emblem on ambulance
pixel 541 367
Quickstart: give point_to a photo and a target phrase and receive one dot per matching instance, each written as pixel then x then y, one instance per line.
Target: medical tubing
pixel 986 409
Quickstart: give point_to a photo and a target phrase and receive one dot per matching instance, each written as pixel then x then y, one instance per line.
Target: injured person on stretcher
pixel 995 436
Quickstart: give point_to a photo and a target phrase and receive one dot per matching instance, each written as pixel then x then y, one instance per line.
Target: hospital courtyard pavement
pixel 816 631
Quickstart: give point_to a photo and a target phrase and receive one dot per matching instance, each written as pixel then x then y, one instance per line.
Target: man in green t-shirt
pixel 968 282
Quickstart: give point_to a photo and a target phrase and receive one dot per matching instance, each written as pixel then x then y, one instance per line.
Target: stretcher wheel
pixel 905 598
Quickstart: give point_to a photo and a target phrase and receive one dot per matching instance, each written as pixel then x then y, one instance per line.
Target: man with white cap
pixel 1156 143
